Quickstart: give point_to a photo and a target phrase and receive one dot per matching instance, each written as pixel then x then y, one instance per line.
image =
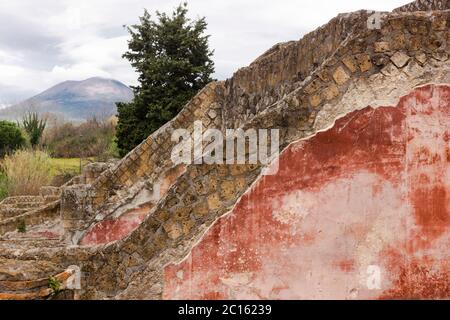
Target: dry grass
pixel 26 172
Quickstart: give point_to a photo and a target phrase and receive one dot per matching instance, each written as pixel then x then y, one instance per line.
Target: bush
pixel 11 137
pixel 21 226
pixel 26 171
pixel 90 139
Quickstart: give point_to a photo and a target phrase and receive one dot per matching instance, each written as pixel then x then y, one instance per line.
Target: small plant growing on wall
pixel 54 284
pixel 21 226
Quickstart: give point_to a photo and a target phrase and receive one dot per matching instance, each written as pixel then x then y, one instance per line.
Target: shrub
pixel 11 137
pixel 21 226
pixel 26 171
pixel 34 127
pixel 90 139
pixel 54 284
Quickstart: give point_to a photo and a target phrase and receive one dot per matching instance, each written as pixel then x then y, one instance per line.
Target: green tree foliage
pixel 10 137
pixel 34 127
pixel 173 60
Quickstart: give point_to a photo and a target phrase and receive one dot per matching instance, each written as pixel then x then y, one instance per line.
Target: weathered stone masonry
pixel 302 88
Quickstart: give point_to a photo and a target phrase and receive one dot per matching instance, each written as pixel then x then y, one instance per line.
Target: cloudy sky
pixel 48 41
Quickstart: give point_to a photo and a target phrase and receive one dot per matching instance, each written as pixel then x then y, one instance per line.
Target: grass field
pixel 61 165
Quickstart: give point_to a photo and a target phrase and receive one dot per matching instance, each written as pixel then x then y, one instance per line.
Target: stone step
pixel 20 199
pixel 35 289
pixel 28 205
pixel 23 270
pixel 48 199
pixel 50 191
pixel 49 230
pixel 9 212
pixel 9 246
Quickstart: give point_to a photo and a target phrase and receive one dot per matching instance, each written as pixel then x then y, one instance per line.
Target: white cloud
pixel 76 39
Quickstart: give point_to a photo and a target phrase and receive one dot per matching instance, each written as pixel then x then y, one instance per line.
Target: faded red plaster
pixel 371 191
pixel 115 229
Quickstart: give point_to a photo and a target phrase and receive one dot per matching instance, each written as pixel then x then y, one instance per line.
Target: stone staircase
pixel 29 280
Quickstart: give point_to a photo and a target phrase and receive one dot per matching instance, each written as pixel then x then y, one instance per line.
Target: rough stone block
pixel 364 62
pixel 227 189
pixel 315 100
pixel 389 69
pixel 312 87
pixel 173 229
pixel 382 46
pixel 340 76
pixel 350 63
pixel 187 226
pixel 421 58
pixel 440 56
pixel 400 59
pixel 201 209
pixel 324 76
pixel 213 201
pixel 398 41
pixel 415 43
pixel 331 92
pixel 439 23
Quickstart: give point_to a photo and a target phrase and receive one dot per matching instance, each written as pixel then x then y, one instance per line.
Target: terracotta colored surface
pixel 109 230
pixel 361 210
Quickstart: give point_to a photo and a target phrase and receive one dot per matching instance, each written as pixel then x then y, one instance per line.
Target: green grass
pixel 61 165
pixel 3 186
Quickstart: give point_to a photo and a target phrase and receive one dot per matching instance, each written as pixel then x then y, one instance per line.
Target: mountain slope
pixel 75 100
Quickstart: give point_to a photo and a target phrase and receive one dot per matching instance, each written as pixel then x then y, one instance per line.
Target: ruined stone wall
pixel 371 67
pixel 367 193
pixel 425 5
pixel 409 50
pixel 148 168
pixel 149 159
pixel 284 67
pixel 277 74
